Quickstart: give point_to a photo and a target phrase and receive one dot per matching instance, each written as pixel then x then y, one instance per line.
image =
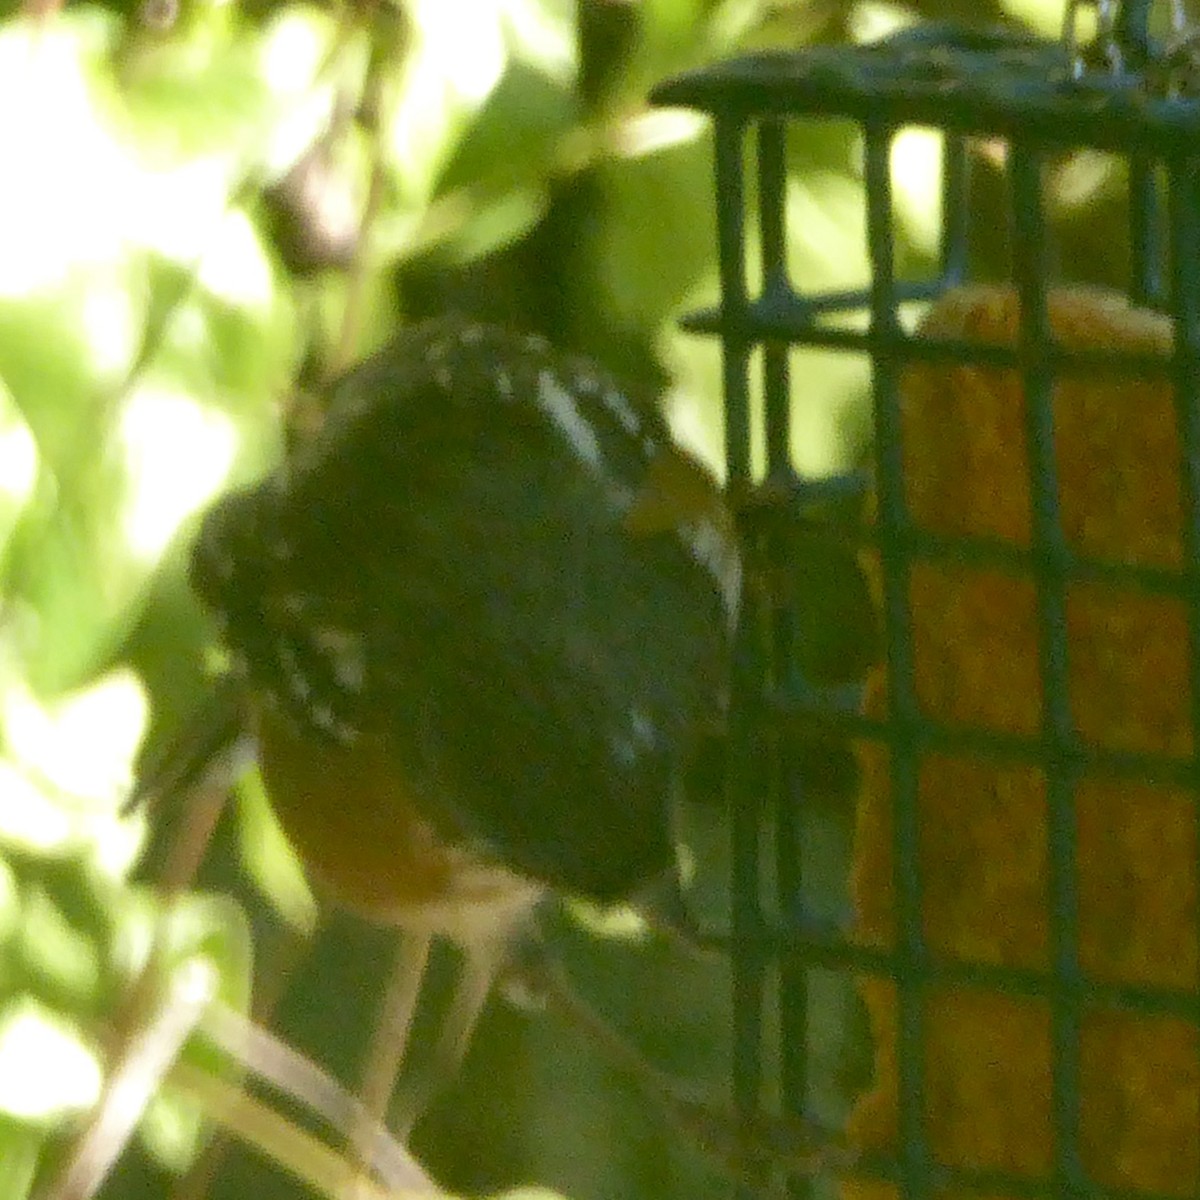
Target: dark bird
pixel 479 621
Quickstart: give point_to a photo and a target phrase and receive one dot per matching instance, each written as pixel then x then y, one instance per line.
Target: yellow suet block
pixel 984 857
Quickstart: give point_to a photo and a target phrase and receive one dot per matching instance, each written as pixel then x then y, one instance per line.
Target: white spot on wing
pixel 643 726
pixel 618 404
pixel 504 384
pixel 624 751
pixel 298 690
pixel 325 719
pixel 297 685
pixel 560 406
pixel 345 652
pixel 644 736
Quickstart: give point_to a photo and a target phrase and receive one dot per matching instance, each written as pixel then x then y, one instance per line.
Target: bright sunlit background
pixel 182 191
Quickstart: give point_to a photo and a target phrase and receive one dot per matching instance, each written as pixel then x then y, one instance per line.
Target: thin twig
pixel 270 985
pixel 146 1058
pixel 283 1143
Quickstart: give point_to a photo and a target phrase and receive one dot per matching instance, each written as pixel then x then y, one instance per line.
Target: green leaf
pixel 269 858
pixel 213 930
pixel 653 195
pixel 20 1146
pixel 47 1070
pixel 447 80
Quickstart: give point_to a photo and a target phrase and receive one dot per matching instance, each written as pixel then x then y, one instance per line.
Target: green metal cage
pixel 1119 91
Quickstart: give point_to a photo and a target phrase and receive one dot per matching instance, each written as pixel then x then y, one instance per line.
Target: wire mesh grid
pixel 1089 1040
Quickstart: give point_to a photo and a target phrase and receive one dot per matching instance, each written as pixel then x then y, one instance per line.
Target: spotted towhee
pixel 478 622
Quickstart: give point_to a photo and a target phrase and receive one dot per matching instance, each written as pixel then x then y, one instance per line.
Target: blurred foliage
pixel 208 207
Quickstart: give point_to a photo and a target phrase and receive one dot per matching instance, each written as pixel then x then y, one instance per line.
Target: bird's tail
pixel 212 744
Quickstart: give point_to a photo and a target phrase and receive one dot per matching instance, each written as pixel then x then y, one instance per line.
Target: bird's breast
pixel 354 821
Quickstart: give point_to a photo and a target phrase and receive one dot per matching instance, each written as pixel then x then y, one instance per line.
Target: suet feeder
pixel 1024 934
